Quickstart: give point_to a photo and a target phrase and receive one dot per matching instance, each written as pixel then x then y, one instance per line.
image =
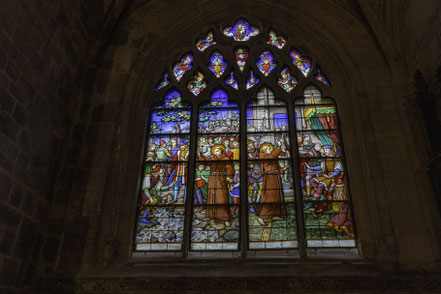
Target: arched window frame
pixel 255 45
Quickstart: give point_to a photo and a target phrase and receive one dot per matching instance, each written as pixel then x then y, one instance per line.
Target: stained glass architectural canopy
pixel 234 160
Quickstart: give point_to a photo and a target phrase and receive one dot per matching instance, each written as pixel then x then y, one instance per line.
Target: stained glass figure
pixel 303 63
pixel 215 224
pixel 252 80
pixel 160 222
pixel 271 206
pixel 164 82
pixel 181 67
pixel 217 63
pixel 326 199
pixel 241 55
pixel 286 80
pixel 321 78
pixel 206 42
pixel 266 62
pixel 232 81
pixel 197 84
pixel 241 31
pixel 276 41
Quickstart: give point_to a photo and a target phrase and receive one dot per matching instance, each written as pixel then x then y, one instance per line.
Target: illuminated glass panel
pixel 197 84
pixel 303 63
pixel 241 31
pixel 276 41
pixel 266 62
pixel 163 82
pixel 271 205
pixel 182 66
pixel 241 55
pixel 217 64
pixel 286 80
pixel 206 42
pixel 215 221
pixel 321 77
pixel 160 221
pixel 232 81
pixel 325 191
pixel 252 80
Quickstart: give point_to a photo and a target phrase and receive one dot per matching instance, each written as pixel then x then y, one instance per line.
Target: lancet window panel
pixel 243 167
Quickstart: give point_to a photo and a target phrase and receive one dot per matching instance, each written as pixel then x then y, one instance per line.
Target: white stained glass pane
pixel 314 243
pixel 346 243
pixel 230 246
pixel 143 247
pixel 289 244
pixel 174 247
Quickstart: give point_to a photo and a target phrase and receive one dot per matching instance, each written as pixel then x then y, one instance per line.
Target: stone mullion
pixel 243 183
pixel 190 179
pixel 295 161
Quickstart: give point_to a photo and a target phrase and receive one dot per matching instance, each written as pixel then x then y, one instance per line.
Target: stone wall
pixel 42 63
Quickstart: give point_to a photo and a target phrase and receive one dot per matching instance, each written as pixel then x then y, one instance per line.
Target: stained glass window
pixel 271 205
pixel 303 63
pixel 217 63
pixel 241 31
pixel 252 79
pixel 215 223
pixel 241 55
pixel 271 178
pixel 182 66
pixel 266 62
pixel 206 42
pixel 197 84
pixel 160 223
pixel 275 40
pixel 286 80
pixel 326 198
pixel 232 81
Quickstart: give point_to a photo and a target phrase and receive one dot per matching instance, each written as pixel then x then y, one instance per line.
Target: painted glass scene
pixel 160 221
pixel 241 31
pixel 206 42
pixel 217 64
pixel 321 78
pixel 241 55
pixel 275 40
pixel 215 222
pixel 266 62
pixel 232 81
pixel 163 82
pixel 252 80
pixel 303 63
pixel 182 66
pixel 197 84
pixel 271 209
pixel 286 80
pixel 326 199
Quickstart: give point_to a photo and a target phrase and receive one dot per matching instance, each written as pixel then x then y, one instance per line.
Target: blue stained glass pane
pixel 232 81
pixel 266 62
pixel 217 63
pixel 197 84
pixel 241 56
pixel 206 42
pixel 252 80
pixel 241 31
pixel 321 78
pixel 303 63
pixel 276 41
pixel 182 66
pixel 163 83
pixel 286 80
pixel 219 99
pixel 173 99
